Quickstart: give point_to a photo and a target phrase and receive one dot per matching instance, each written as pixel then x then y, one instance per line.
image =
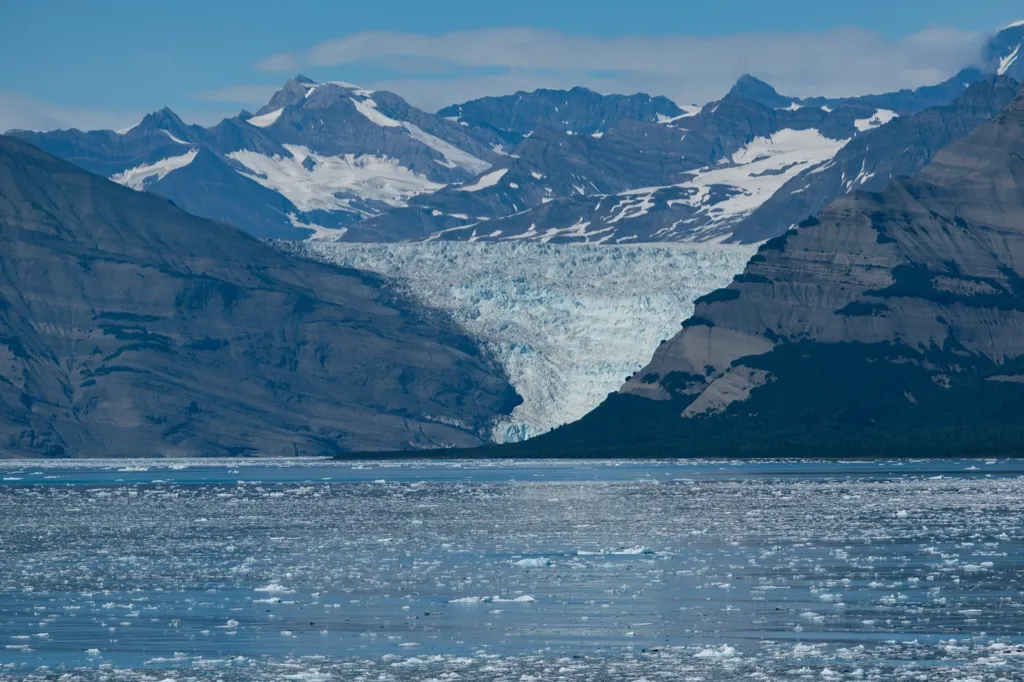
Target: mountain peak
pixel 292 92
pixel 752 88
pixel 162 119
pixel 1002 54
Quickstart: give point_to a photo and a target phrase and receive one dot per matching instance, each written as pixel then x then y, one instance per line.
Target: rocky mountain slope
pixel 334 160
pixel 130 328
pixel 891 325
pixel 579 110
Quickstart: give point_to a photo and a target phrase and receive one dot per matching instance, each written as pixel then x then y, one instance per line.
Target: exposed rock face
pixel 131 328
pixel 893 324
pixel 581 110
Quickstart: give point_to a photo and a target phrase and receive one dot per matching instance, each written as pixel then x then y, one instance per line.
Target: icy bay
pixel 507 570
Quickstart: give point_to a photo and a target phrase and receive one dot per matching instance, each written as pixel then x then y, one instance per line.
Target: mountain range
pixel 341 162
pixel 890 325
pixel 130 328
pixel 141 313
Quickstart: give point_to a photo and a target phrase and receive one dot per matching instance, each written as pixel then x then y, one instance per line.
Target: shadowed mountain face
pixel 130 328
pixel 891 325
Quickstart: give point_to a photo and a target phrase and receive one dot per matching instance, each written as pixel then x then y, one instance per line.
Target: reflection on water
pixel 512 570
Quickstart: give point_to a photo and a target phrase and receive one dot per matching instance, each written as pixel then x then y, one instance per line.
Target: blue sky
pixel 106 62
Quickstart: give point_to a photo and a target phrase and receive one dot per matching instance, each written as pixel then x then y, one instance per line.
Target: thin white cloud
pixel 18 111
pixel 279 63
pixel 845 61
pixel 238 94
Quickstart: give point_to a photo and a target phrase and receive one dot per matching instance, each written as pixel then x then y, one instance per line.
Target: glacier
pixel 568 322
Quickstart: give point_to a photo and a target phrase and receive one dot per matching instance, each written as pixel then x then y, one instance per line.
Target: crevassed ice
pixel 568 322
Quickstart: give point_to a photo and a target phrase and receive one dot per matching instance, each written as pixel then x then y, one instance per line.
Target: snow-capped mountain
pixel 871 161
pixel 329 154
pixel 333 160
pixel 890 326
pixel 684 179
pixel 1004 54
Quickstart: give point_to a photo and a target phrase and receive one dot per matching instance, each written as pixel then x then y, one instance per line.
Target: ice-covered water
pixel 506 570
pixel 568 322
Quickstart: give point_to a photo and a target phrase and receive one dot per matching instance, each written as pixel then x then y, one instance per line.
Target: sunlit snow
pixel 315 185
pixel 1006 62
pixel 264 120
pixel 137 177
pixel 880 118
pixel 489 180
pixel 173 138
pixel 368 108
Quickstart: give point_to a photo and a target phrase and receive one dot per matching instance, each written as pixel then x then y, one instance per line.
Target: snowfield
pixel 568 322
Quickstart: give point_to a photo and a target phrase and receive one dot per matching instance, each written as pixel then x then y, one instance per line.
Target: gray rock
pixel 131 328
pixel 580 110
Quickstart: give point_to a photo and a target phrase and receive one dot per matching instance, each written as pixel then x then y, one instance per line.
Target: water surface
pixel 510 570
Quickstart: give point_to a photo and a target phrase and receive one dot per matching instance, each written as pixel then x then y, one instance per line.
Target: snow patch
pixel 689 110
pixel 756 172
pixel 489 180
pixel 264 120
pixel 454 157
pixel 1006 62
pixel 318 183
pixel 140 176
pixel 368 108
pixel 880 118
pixel 173 138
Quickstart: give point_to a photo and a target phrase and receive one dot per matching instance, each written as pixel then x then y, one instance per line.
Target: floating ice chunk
pixel 533 563
pixel 274 587
pixel 724 651
pixel 524 599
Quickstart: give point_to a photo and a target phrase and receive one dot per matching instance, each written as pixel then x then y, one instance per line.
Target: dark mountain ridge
pixel 131 328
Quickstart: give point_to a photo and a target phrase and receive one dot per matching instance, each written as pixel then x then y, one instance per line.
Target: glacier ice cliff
pixel 569 322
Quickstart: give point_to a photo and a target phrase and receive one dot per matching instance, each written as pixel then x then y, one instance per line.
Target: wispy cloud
pixel 18 111
pixel 689 69
pixel 238 94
